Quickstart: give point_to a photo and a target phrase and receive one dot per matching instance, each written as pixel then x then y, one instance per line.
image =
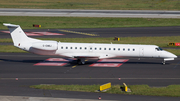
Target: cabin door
pixel 141 51
pixel 157 53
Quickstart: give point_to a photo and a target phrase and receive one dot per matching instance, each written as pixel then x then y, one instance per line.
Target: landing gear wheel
pixel 81 61
pixel 163 62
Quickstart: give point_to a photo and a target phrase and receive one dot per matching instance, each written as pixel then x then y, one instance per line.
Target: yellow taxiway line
pixel 79 33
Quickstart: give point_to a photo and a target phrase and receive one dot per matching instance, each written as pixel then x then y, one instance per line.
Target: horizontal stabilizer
pixel 10 25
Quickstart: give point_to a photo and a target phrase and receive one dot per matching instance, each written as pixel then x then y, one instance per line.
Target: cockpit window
pixel 159 49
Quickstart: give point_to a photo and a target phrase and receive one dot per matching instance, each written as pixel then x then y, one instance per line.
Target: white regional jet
pixel 83 51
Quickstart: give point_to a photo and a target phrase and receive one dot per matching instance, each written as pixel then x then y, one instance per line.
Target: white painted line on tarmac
pixel 90 78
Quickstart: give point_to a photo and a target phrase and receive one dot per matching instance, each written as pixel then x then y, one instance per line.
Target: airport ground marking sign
pixel 105 86
pixel 53 62
pixel 109 63
pixel 106 64
pixel 126 89
pixel 100 63
pixel 49 64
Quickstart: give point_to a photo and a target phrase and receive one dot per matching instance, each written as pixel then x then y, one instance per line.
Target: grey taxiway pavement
pixel 134 71
pixel 90 13
pixel 104 32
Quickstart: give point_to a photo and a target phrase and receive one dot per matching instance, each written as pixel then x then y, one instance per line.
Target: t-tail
pixel 17 34
pixel 22 41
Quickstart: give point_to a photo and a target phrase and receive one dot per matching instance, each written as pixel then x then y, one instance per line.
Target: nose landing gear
pixel 167 59
pixel 164 62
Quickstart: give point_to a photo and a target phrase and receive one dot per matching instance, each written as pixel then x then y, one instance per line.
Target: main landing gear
pixel 81 61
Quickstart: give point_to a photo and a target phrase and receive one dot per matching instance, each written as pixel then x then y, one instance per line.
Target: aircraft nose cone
pixel 175 56
pixel 172 55
pixel 169 55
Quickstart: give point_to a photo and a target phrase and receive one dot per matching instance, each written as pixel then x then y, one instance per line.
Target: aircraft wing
pixel 82 55
pixel 86 56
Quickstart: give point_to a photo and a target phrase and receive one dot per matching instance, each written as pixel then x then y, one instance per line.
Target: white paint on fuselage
pixel 105 50
pixel 84 50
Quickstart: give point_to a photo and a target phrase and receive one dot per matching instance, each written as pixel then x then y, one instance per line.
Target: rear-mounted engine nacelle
pixel 46 45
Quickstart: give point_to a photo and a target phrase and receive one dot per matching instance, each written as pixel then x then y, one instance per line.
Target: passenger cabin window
pixel 114 48
pixel 61 47
pixel 95 48
pixel 133 49
pixel 85 48
pixel 104 48
pixel 99 48
pixel 128 49
pixel 66 47
pixel 75 47
pixel 118 49
pixel 71 47
pixel 123 49
pixel 90 48
pixel 80 48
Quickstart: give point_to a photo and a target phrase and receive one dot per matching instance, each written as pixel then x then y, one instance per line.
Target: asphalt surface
pixel 134 71
pixel 104 32
pixel 145 71
pixel 90 13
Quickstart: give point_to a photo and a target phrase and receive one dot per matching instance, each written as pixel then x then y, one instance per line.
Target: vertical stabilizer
pixel 17 34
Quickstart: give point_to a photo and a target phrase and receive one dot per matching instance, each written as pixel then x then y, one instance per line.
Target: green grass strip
pixel 174 51
pixel 6 40
pixel 93 4
pixel 10 49
pixel 85 22
pixel 171 90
